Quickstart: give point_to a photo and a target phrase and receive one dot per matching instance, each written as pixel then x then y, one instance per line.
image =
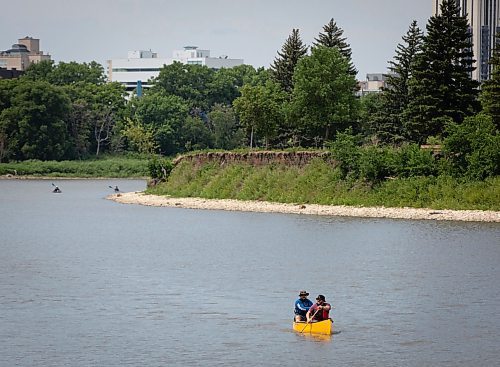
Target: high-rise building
pixel 484 21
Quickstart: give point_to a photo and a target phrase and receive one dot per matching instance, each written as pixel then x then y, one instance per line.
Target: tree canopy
pixel 332 37
pixel 441 88
pixel 323 98
pixel 284 64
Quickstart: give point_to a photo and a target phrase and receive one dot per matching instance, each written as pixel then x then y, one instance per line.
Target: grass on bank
pixel 116 167
pixel 319 183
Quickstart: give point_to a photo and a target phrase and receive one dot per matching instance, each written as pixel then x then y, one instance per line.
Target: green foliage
pixel 346 151
pixel 323 98
pixel 490 91
pixel 320 183
pixel 473 148
pixel 370 106
pixel 35 122
pixel 283 67
pixel 165 115
pixel 195 134
pixel 140 137
pixel 118 167
pixel 441 87
pixel 66 73
pixel 332 37
pixel 388 120
pixel 189 82
pixel 260 109
pixel 412 161
pixel 227 132
pixel 377 163
pixel 160 168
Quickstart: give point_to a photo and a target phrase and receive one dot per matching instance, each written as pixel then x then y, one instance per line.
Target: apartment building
pixel 484 21
pixel 22 54
pixel 140 67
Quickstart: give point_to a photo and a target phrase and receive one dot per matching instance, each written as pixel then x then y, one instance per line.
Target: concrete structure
pixel 143 66
pixel 138 66
pixel 22 54
pixel 484 21
pixel 373 84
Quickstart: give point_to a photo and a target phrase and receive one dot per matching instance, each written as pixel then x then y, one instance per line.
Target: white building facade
pixel 484 21
pixel 140 67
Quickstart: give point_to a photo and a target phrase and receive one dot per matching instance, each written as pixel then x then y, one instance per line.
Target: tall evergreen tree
pixel 388 125
pixel 441 88
pixel 332 37
pixel 284 65
pixel 490 93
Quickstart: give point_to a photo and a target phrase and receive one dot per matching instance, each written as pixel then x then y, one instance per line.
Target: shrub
pixel 473 148
pixel 414 162
pixel 160 168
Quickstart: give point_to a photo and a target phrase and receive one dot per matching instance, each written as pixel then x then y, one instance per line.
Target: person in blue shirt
pixel 302 305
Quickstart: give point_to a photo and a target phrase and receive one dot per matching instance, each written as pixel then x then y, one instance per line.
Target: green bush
pixel 118 167
pixel 473 148
pixel 414 161
pixel 160 168
pixel 377 163
pixel 347 152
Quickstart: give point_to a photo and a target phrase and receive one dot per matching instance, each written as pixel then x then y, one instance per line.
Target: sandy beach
pixel 311 209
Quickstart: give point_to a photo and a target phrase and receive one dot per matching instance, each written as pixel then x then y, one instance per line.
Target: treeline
pixel 307 98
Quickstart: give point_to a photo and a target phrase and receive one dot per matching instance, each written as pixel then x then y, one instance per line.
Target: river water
pixel 86 281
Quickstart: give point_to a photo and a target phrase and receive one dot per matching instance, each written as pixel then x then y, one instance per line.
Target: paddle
pixel 56 189
pixel 114 188
pixel 309 321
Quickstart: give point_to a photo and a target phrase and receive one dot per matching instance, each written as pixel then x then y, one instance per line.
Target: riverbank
pixel 310 209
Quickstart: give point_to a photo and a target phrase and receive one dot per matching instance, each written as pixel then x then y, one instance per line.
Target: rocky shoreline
pixel 311 209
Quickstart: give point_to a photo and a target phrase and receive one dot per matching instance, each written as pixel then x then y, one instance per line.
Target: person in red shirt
pixel 319 311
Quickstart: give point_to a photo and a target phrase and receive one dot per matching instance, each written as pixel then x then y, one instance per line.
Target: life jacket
pixel 322 314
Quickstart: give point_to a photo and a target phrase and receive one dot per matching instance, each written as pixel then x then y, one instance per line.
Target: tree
pixel 140 138
pixel 39 70
pixel 8 144
pixel 260 109
pixel 190 82
pixel 473 147
pixel 165 114
pixel 88 101
pixel 332 37
pixel 284 65
pixel 395 97
pixel 66 73
pixel 35 121
pixel 490 92
pixel 323 99
pixel 226 130
pixel 225 85
pixel 370 108
pixel 441 87
pixel 195 134
pixel 79 124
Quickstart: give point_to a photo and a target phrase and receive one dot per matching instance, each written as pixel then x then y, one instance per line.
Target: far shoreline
pixel 141 198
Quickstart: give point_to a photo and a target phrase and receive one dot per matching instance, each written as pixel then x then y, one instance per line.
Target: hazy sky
pixel 86 30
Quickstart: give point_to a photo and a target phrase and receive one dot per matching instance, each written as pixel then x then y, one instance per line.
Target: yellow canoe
pixel 321 327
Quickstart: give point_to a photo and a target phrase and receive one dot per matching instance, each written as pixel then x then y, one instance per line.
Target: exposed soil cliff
pixel 257 158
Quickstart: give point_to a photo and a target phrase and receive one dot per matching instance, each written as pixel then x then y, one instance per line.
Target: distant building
pixel 373 84
pixel 142 66
pixel 484 22
pixel 22 54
